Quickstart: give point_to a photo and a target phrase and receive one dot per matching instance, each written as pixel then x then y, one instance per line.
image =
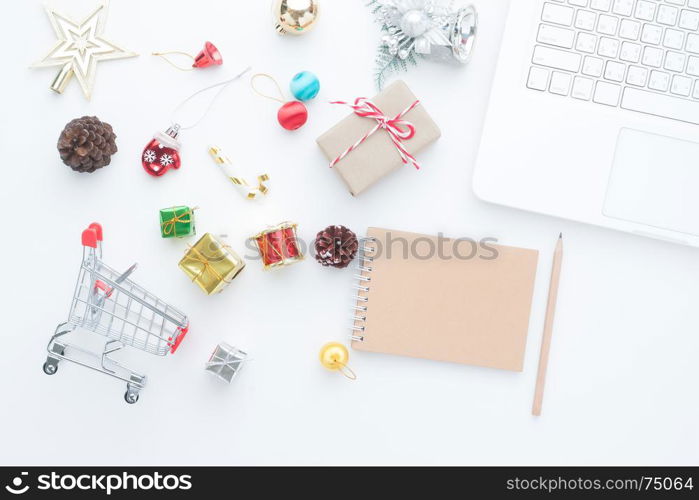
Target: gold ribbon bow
pixel 201 258
pixel 170 225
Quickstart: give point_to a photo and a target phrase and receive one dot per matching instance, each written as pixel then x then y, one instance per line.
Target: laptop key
pixel 674 61
pixel 538 78
pixel 557 59
pixel 604 5
pixel 674 39
pixel 645 10
pixel 661 105
pixel 693 43
pixel 629 29
pixel 689 20
pixel 651 34
pixel 630 52
pixel 615 71
pixel 587 42
pixel 557 14
pixel 681 85
pixel 652 57
pixel 608 47
pixel 667 15
pixel 592 66
pixel 560 83
pixel 582 88
pixel 637 76
pixel 607 93
pixel 693 66
pixel 659 80
pixel 607 25
pixel 552 35
pixel 623 7
pixel 585 20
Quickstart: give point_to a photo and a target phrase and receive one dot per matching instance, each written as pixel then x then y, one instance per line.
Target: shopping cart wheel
pixel 50 368
pixel 131 396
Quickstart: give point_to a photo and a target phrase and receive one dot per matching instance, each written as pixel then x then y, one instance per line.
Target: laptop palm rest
pixel 655 181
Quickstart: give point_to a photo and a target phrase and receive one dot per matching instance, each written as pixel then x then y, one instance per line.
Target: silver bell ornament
pixel 413 29
pixel 463 34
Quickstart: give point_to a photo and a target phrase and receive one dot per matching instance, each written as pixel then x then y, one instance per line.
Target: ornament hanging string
pixel 399 130
pixel 222 86
pixel 164 56
pixel 347 371
pixel 262 94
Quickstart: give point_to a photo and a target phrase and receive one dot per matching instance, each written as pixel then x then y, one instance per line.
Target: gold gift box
pixel 211 264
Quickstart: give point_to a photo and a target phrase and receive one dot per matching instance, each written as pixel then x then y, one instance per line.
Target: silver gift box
pixel 226 361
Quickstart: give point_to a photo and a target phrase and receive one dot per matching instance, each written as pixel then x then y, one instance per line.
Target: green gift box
pixel 177 222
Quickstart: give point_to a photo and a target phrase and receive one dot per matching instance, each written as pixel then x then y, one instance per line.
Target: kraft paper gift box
pixel 177 222
pixel 377 156
pixel 211 264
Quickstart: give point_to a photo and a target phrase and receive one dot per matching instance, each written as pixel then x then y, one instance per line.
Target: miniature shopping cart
pixel 108 303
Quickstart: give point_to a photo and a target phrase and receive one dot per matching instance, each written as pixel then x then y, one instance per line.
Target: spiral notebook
pixel 447 300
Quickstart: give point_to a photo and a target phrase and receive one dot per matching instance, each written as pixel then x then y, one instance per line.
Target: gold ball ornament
pixel 334 356
pixel 294 17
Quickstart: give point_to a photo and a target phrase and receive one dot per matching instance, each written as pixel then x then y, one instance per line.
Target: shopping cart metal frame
pixel 112 305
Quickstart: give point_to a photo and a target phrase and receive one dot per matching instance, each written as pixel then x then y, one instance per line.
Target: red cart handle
pixel 89 238
pixel 98 229
pixel 174 345
pixel 101 285
pixel 92 235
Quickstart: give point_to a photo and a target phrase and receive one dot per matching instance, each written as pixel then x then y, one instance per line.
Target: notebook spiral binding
pixel 360 306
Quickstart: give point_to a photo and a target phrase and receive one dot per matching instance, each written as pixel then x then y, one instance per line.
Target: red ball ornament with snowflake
pixel 162 153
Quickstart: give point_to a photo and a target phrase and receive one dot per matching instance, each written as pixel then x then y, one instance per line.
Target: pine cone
pixel 87 144
pixel 336 246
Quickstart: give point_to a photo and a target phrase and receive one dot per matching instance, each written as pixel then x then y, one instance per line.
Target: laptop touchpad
pixel 655 181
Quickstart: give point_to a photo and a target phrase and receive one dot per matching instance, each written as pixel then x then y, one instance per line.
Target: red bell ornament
pixel 162 153
pixel 209 56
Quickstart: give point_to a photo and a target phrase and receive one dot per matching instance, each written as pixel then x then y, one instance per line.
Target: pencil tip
pixel 560 236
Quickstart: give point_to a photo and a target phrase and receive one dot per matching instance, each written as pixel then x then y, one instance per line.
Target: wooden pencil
pixel 548 327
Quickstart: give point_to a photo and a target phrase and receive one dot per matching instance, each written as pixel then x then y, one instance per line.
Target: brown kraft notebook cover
pixel 446 308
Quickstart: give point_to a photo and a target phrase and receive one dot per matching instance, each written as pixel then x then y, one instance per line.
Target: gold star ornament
pixel 79 48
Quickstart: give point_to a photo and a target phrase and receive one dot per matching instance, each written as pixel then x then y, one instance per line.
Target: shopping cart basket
pixel 108 303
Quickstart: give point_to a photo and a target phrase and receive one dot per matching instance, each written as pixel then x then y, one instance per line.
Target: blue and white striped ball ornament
pixel 305 86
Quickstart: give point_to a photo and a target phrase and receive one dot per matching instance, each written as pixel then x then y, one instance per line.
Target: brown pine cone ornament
pixel 87 144
pixel 336 246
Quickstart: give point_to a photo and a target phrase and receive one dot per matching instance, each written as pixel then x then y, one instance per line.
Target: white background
pixel 623 372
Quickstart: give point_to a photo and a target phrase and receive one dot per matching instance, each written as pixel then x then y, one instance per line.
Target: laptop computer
pixel 594 115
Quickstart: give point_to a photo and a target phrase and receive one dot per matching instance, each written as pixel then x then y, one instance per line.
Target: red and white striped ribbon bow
pixel 399 130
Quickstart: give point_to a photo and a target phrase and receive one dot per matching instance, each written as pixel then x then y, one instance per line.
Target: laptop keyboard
pixel 639 55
